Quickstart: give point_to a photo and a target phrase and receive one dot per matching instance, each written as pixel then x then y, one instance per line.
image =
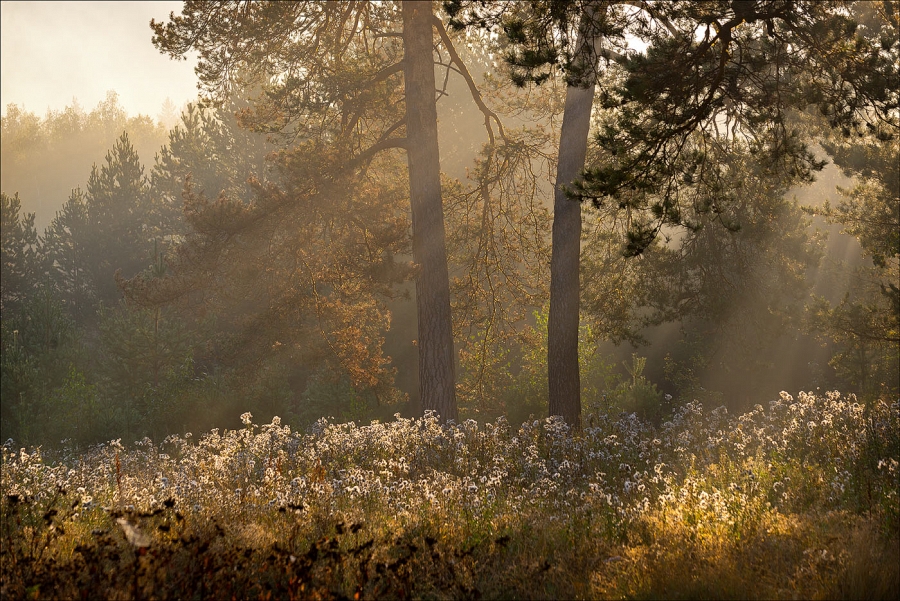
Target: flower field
pixel 796 500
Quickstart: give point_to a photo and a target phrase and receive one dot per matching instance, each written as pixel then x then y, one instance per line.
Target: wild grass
pixel 796 500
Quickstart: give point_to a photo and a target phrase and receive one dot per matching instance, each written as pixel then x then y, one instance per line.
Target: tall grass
pixel 797 500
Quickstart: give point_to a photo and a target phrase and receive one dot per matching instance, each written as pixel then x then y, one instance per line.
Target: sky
pixel 53 52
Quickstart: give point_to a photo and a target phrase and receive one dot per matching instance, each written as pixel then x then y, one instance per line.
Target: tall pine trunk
pixel 565 301
pixel 435 342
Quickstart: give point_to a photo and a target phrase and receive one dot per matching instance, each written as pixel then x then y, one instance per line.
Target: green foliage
pixel 867 356
pixel 19 379
pixel 64 258
pixel 46 331
pixel 865 323
pixel 336 398
pixel 735 278
pixel 122 220
pixel 75 414
pixel 145 357
pixel 641 396
pixel 110 227
pixel 686 373
pixel 516 380
pixel 18 245
pixel 208 152
pixel 40 346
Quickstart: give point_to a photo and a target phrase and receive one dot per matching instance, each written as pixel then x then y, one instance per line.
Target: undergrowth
pixel 797 500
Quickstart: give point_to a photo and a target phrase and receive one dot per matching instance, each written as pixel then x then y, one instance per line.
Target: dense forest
pixel 572 237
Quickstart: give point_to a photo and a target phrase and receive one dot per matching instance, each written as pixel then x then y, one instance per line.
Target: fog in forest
pixel 619 261
pixel 45 158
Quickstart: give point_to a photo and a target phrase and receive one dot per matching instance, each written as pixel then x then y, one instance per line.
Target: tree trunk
pixel 562 326
pixel 435 342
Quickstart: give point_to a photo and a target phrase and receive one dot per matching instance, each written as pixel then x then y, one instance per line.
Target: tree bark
pixel 565 301
pixel 435 342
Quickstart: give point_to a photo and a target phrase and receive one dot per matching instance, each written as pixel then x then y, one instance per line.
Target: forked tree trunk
pixel 565 302
pixel 435 342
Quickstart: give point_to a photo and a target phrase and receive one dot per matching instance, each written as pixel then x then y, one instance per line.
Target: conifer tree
pixel 122 224
pixel 43 158
pixel 64 258
pixel 19 244
pixel 208 146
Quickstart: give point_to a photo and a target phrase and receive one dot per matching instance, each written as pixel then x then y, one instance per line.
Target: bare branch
pixel 473 89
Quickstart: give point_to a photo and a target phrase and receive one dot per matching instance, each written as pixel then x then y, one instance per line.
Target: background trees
pixel 864 322
pixel 43 158
pixel 18 245
pixel 301 268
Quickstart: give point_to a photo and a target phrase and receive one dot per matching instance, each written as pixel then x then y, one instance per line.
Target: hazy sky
pixel 54 51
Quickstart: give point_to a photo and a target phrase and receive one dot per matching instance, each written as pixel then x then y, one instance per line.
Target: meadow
pixel 797 500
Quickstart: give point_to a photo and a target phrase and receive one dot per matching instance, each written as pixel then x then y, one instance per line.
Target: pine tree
pixel 18 262
pixel 121 221
pixel 218 156
pixel 64 259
